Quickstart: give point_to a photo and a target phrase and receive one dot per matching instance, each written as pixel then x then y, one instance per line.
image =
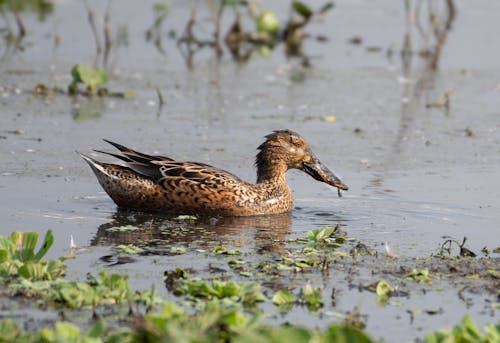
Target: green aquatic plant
pixel 283 297
pixel 18 257
pixel 91 77
pixel 419 275
pixel 309 296
pixel 196 289
pixel 325 236
pixel 129 249
pixel 9 330
pixel 467 331
pixel 312 297
pixel 384 291
pixel 267 23
pixel 221 250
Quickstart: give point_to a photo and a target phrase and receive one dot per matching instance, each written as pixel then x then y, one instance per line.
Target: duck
pixel 155 183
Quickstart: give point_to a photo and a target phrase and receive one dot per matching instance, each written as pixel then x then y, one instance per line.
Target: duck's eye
pixel 296 141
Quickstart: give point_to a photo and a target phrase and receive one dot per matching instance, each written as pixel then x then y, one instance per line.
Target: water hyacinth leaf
pixel 302 9
pixel 283 297
pixel 92 77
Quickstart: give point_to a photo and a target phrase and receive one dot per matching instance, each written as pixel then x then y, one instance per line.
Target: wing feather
pixel 161 168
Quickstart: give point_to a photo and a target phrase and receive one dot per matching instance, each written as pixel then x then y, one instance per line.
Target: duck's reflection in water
pixel 261 234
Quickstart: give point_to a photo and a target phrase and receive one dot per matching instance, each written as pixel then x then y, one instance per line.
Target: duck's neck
pixel 270 168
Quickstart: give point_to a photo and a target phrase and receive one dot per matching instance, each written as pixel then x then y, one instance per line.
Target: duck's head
pixel 285 149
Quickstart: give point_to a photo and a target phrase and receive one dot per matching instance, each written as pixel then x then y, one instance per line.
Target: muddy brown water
pixel 417 175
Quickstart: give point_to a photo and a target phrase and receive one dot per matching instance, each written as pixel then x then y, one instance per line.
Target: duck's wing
pixel 194 172
pixel 164 170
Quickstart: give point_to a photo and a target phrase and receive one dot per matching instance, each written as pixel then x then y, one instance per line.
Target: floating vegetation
pixel 18 257
pixel 195 289
pixel 124 228
pixel 311 297
pixel 221 250
pixel 129 249
pixel 322 236
pixel 92 78
pixel 466 331
pixel 419 275
pixel 384 291
pixel 178 250
pixel 216 309
pixel 186 217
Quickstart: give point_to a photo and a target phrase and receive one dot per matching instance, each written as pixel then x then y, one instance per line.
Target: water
pixel 417 175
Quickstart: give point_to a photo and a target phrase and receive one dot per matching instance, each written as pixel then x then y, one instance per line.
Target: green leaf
pixel 92 77
pixel 9 330
pixel 326 7
pixel 48 240
pixel 302 9
pixel 384 292
pixel 185 217
pixel 384 289
pixel 178 250
pixel 346 334
pixel 233 2
pixel 129 249
pixel 283 297
pixel 97 330
pixel 161 6
pixel 123 228
pixel 419 275
pixel 312 297
pixel 267 22
pixel 67 332
pixel 29 240
pixel 320 235
pixel 4 256
pixel 471 329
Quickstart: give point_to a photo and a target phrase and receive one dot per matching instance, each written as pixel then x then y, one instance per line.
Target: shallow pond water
pixel 417 175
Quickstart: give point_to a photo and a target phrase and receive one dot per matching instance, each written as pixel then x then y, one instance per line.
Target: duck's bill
pixel 321 173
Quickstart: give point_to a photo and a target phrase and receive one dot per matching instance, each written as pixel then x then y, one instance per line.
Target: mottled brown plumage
pixel 159 183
